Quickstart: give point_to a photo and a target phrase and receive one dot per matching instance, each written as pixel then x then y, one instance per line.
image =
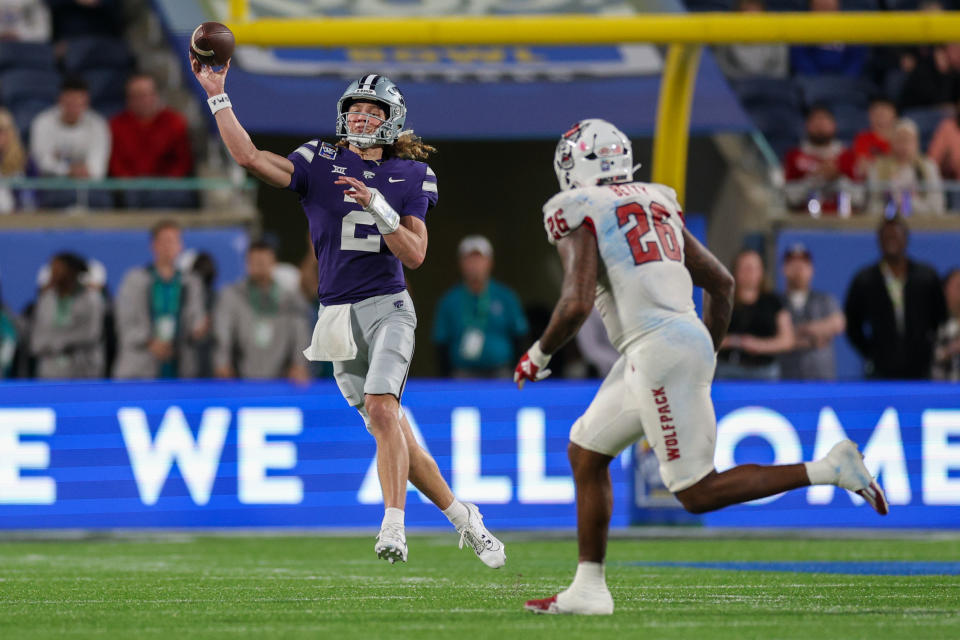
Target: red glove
pixel 532 366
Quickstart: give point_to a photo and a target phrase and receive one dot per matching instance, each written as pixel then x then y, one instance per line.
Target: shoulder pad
pixel 560 200
pixel 564 213
pixel 669 192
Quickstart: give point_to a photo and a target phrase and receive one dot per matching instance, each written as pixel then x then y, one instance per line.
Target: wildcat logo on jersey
pixel 328 151
pixel 369 175
pixel 398 304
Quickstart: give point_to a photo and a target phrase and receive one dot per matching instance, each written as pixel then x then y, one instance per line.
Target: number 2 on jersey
pixel 348 229
pixel 648 250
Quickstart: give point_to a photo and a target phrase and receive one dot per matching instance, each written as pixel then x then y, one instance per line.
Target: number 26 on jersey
pixel 648 249
pixel 637 221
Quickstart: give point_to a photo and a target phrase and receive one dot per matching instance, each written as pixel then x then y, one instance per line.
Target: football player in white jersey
pixel 624 248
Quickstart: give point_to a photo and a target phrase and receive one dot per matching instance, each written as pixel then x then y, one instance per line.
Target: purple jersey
pixel 354 260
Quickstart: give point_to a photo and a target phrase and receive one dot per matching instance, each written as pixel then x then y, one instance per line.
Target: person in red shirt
pixel 819 173
pixel 150 140
pixel 875 141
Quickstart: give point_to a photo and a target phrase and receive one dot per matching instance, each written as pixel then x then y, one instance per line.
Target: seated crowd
pixel 883 172
pixel 881 132
pixel 71 140
pixel 106 121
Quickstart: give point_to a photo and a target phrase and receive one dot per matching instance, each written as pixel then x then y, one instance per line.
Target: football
pixel 212 44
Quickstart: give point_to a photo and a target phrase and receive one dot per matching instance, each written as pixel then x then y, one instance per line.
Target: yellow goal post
pixel 685 35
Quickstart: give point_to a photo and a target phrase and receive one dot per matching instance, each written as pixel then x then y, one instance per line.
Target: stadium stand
pixel 104 62
pixel 775 106
pixel 27 92
pixel 26 55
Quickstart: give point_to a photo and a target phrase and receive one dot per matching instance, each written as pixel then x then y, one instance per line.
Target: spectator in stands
pixel 828 59
pixel 894 308
pixel 817 321
pixel 13 159
pixel 946 352
pixel 478 324
pixel 933 77
pixel 260 328
pixel 203 265
pixel 903 180
pixel 594 345
pixel 95 279
pixel 945 146
pixel 875 141
pixel 66 332
pixel 78 18
pixel 819 172
pixel 760 328
pixel 889 65
pixel 24 21
pixel 25 365
pixel 159 313
pixel 150 140
pixel 9 337
pixel 69 139
pixel 747 61
pixel 286 274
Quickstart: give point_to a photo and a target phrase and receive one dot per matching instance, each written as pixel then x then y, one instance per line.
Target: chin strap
pixel 383 214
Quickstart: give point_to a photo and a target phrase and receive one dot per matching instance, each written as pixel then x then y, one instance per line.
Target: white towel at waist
pixel 332 336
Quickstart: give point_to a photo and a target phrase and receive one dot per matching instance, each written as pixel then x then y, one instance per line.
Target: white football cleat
pixel 599 603
pixel 391 543
pixel 488 548
pixel 853 475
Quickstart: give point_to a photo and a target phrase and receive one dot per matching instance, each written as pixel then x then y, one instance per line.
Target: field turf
pixel 330 587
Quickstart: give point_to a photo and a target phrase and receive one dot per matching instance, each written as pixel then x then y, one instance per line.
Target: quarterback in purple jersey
pixel 366 200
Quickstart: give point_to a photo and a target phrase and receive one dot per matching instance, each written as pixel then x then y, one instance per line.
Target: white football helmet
pixel 593 152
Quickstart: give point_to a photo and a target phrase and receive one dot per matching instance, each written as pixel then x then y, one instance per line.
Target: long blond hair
pixel 13 159
pixel 411 146
pixel 408 145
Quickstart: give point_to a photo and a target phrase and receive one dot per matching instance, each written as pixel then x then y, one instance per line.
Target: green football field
pixel 330 587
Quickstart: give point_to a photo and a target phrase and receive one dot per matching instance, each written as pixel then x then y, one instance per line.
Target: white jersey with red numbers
pixel 660 386
pixel 639 230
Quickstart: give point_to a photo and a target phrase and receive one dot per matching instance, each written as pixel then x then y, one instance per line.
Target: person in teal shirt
pixel 160 314
pixel 479 323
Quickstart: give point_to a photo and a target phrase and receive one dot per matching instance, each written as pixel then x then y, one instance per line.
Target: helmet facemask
pixel 367 138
